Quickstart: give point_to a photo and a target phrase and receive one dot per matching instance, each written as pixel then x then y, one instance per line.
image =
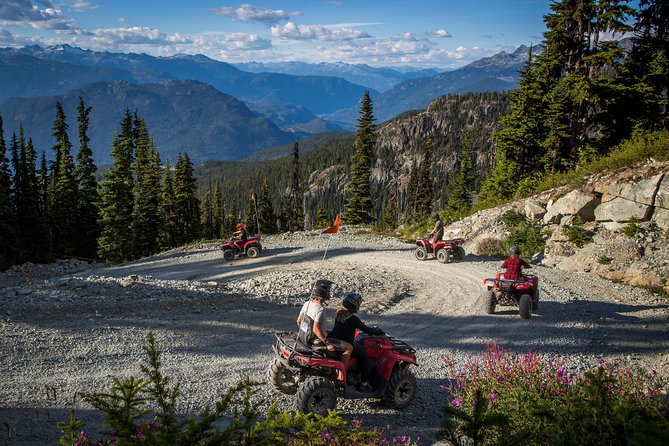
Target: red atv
pixel 523 292
pixel 317 377
pixel 445 251
pixel 232 247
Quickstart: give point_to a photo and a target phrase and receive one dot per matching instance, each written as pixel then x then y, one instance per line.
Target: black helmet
pixel 352 302
pixel 514 250
pixel 321 289
pixel 435 217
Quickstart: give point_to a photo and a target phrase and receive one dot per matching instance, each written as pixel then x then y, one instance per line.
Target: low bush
pixel 142 411
pixel 527 236
pixel 576 233
pixel 604 260
pixel 504 398
pixel 490 247
pixel 631 228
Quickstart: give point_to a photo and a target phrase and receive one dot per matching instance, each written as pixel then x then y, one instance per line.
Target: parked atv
pixel 251 247
pixel 445 251
pixel 317 377
pixel 523 293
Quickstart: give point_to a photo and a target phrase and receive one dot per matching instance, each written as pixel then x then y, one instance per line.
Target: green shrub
pixel 527 237
pixel 576 233
pixel 512 218
pixel 631 228
pixel 143 412
pixel 604 260
pixel 503 398
pixel 490 247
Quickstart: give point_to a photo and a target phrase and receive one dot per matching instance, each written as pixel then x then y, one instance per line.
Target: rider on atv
pixel 514 264
pixel 438 231
pixel 346 324
pixel 241 233
pixel 311 319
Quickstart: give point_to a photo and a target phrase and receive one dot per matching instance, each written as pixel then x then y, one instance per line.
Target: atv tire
pixel 443 256
pixel 281 377
pixel 489 301
pixel 316 395
pixel 420 253
pixel 525 306
pixel 535 299
pixel 252 252
pixel 229 255
pixel 460 253
pixel 401 389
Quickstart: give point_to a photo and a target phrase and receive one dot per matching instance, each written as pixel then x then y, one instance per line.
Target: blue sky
pixel 421 33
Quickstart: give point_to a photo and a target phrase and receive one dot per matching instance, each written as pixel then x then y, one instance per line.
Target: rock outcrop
pixel 625 214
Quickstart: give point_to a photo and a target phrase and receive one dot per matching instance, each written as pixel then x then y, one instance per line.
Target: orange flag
pixel 253 196
pixel 334 228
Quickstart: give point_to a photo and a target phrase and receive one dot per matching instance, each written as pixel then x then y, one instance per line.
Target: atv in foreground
pixel 233 247
pixel 317 377
pixel 445 251
pixel 523 293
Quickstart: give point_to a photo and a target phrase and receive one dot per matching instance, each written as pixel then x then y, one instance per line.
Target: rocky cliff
pixel 625 215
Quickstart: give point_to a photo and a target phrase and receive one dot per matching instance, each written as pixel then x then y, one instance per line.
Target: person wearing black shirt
pixel 346 323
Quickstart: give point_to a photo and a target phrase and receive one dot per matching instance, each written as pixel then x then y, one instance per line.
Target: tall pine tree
pixel 460 188
pixel 168 230
pixel 63 192
pixel 295 209
pixel 116 198
pixel 217 210
pixel 146 215
pixel 359 205
pixel 87 209
pixel 187 204
pixel 424 195
pixel 266 215
pixel 8 228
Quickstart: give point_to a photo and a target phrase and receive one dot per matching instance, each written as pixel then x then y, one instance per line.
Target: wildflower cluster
pixel 527 397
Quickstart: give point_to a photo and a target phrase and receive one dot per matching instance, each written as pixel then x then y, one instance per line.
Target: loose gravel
pixel 67 328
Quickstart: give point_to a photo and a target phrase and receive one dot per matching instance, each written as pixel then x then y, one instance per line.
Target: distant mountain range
pixel 380 79
pixel 36 71
pixel 182 116
pixel 495 73
pixel 213 109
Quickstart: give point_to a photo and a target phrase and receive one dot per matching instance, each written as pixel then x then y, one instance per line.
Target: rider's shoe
pixel 364 387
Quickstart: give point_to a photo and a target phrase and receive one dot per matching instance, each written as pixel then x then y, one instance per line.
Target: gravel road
pixel 215 322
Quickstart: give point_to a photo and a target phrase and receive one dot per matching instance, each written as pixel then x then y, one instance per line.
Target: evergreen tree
pixel 63 193
pixel 187 205
pixel 424 195
pixel 169 229
pixel 207 217
pixel 359 205
pixel 412 193
pixel 217 210
pixel 146 215
pixel 295 209
pixel 8 228
pixel 46 247
pixel 266 215
pixel 116 198
pixel 250 221
pixel 39 229
pixel 87 210
pixel 461 186
pixel 646 68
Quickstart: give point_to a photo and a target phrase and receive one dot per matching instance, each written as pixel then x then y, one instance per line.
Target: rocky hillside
pixel 625 215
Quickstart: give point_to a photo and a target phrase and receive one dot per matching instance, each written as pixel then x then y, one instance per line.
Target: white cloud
pixel 82 5
pixel 293 31
pixel 23 12
pixel 440 33
pixel 248 13
pixel 135 36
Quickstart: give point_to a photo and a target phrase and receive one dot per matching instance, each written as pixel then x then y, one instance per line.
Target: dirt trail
pixel 215 321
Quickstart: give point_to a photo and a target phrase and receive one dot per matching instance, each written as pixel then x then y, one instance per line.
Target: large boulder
pixel 534 209
pixel 622 202
pixel 576 202
pixel 661 211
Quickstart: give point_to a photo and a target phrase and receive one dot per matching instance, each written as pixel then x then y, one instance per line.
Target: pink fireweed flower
pixel 493 396
pixel 457 402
